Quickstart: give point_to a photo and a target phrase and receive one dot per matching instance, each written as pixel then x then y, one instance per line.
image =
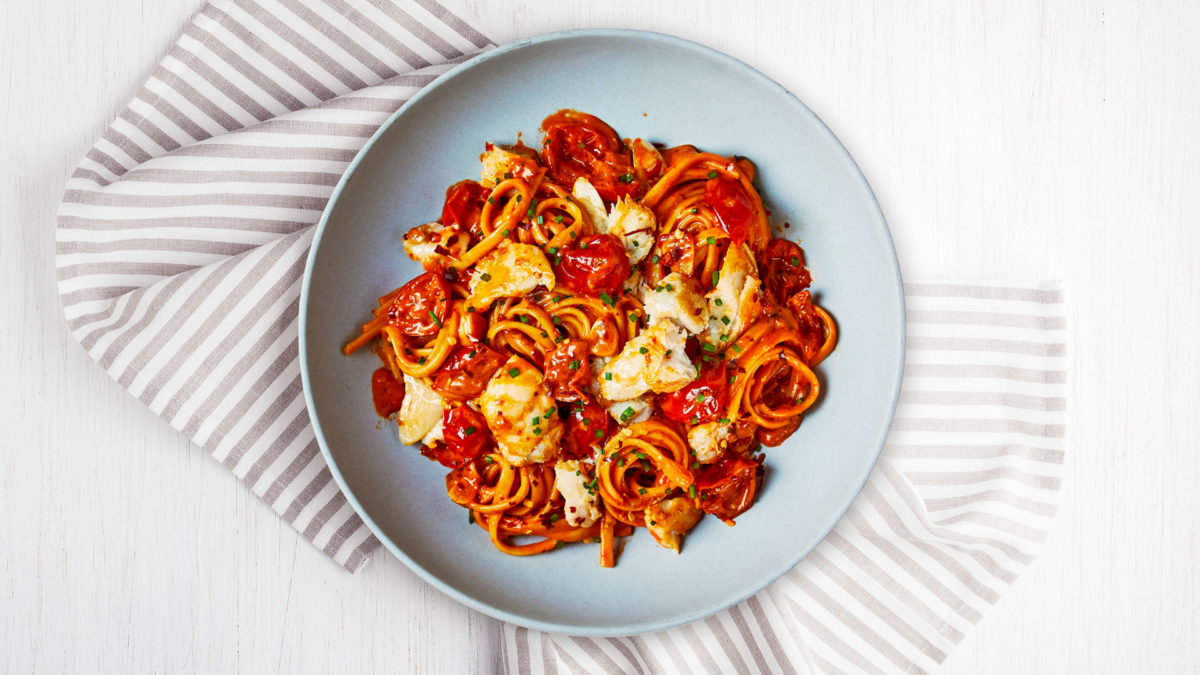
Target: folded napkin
pixel 182 240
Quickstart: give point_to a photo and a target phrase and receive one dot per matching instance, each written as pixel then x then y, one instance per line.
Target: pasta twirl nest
pixel 605 336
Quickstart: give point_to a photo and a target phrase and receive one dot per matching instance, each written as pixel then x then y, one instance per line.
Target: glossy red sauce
pixel 727 487
pixel 588 427
pixel 567 371
pixel 466 372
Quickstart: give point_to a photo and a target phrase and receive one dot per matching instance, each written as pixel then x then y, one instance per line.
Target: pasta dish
pixel 605 336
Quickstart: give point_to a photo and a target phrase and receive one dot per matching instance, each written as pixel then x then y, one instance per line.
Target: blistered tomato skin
pixel 567 370
pixel 727 487
pixel 421 305
pixel 596 264
pixel 466 436
pixel 386 391
pixel 578 145
pixel 588 427
pixel 464 202
pixel 733 206
pixel 702 400
pixel 466 372
pixel 783 269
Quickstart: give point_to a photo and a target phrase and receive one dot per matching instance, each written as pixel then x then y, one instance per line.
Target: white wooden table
pixel 1004 140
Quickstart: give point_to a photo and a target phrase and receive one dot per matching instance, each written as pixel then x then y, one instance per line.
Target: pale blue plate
pixel 663 89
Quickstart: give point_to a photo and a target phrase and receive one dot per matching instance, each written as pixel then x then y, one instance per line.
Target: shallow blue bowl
pixel 663 89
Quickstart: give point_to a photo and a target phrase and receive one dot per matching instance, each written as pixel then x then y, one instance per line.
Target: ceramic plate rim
pixel 387 543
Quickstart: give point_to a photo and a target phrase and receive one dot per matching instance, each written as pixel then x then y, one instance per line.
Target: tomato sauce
pixel 596 264
pixel 578 145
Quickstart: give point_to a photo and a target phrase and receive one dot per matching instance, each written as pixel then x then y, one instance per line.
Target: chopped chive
pixel 537 432
pixel 640 455
pixel 737 348
pixel 625 178
pixel 507 175
pixel 468 431
pixel 718 302
pixel 488 459
pixel 795 261
pixel 599 434
pixel 642 350
pixel 507 232
pixel 553 517
pixel 716 277
pixel 699 397
pixel 712 174
pixel 471 354
pixel 485 276
pixel 435 319
pixel 724 420
pixel 421 360
pixel 641 491
pixel 513 372
pixel 692 491
pixel 725 320
pixel 654 258
pixel 470 310
pixel 470 517
pixel 545 334
pixel 558 219
pixel 580 145
pixel 541 220
pixel 669 353
pixel 608 376
pixel 711 240
pixel 709 347
pixel 695 211
pixel 491 200
pixel 555 319
pixel 552 250
pixel 627 414
pixel 574 365
pixel 608 299
pixel 550 412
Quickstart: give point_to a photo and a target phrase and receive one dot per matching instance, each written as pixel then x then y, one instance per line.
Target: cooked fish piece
pixel 655 360
pixel 512 270
pixel 521 415
pixel 420 412
pixel 679 299
pixel 580 505
pixel 670 519
pixel 734 303
pixel 709 440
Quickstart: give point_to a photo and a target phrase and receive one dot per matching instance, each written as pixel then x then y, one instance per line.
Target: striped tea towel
pixel 959 503
pixel 182 239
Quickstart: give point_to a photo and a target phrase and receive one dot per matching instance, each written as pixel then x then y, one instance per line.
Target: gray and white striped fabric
pixel 181 243
pixel 962 497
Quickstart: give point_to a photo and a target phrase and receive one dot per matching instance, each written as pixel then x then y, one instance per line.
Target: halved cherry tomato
pixel 580 145
pixel 421 305
pixel 567 370
pixel 732 205
pixel 466 435
pixel 588 427
pixel 464 202
pixel 783 269
pixel 701 400
pixel 809 323
pixel 466 372
pixel 596 264
pixel 726 488
pixel 386 391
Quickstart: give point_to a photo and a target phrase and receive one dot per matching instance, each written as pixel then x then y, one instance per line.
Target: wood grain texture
pixel 1004 140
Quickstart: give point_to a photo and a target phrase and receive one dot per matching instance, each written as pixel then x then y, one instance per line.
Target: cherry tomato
pixel 732 205
pixel 727 487
pixel 783 269
pixel 466 435
pixel 596 264
pixel 701 400
pixel 415 307
pixel 809 323
pixel 464 202
pixel 580 145
pixel 588 427
pixel 567 370
pixel 466 371
pixel 386 391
